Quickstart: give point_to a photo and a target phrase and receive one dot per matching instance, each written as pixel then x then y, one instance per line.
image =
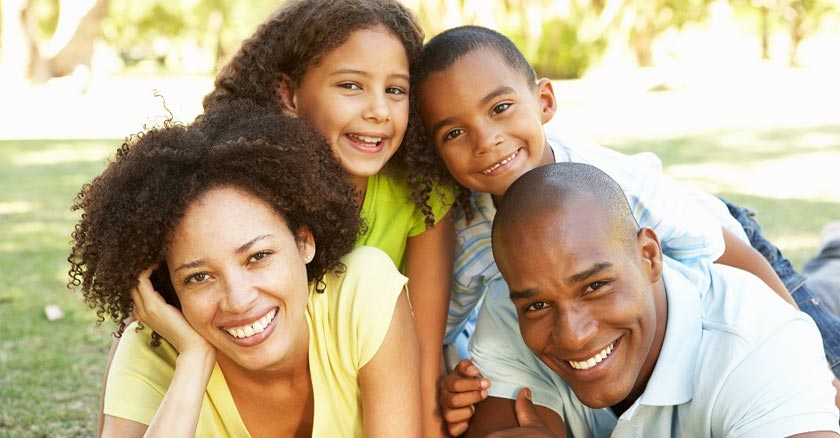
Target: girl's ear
pixel 547 102
pixel 288 97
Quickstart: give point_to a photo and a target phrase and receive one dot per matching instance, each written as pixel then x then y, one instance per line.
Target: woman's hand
pixel 151 309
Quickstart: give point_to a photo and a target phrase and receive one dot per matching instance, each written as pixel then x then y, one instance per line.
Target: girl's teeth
pixel 366 139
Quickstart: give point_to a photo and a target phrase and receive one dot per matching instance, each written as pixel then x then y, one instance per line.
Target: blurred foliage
pixel 563 53
pixel 650 18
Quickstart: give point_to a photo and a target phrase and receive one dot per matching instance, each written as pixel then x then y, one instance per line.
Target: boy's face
pixel 486 121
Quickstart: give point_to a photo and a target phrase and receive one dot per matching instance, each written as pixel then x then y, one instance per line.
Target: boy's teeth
pixel 366 139
pixel 592 361
pixel 499 164
pixel 254 328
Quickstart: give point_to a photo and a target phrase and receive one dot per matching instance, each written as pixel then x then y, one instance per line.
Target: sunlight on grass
pixel 64 154
pixel 15 207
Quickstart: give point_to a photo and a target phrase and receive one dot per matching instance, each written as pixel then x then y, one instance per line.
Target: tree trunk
pixel 19 53
pixel 765 32
pixel 79 23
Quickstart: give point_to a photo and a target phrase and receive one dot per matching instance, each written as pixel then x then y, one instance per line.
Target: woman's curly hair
pixel 296 37
pixel 130 211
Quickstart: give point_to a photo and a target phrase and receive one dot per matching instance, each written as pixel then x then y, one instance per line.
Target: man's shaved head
pixel 553 188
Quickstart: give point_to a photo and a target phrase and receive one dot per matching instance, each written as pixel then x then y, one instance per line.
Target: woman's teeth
pixel 254 328
pixel 500 163
pixel 592 361
pixel 374 141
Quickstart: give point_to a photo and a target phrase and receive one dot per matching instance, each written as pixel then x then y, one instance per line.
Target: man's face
pixel 587 299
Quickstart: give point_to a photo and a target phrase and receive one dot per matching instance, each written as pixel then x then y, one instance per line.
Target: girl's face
pixel 240 275
pixel 357 98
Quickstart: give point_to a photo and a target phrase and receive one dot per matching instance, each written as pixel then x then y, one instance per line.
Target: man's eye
pixel 453 134
pixel 535 307
pixel 500 108
pixel 595 285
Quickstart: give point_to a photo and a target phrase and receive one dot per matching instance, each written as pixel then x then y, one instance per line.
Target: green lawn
pixel 50 372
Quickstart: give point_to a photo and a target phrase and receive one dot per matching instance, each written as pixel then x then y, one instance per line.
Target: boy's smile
pixel 486 120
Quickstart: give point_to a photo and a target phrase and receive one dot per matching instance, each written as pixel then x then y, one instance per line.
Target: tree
pixel 803 18
pixel 652 17
pixel 69 48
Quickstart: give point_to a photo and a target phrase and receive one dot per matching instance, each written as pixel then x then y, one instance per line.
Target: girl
pixel 271 330
pixel 345 66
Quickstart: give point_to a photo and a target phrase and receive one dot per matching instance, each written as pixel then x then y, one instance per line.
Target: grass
pixel 51 372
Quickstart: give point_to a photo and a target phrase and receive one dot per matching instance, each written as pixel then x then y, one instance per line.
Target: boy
pixel 484 110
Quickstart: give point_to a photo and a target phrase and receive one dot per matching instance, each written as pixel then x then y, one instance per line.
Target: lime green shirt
pixel 392 217
pixel 347 324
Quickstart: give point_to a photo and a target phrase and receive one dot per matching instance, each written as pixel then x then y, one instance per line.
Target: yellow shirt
pixel 391 217
pixel 347 324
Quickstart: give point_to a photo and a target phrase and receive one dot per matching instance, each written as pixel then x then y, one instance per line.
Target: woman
pixel 234 252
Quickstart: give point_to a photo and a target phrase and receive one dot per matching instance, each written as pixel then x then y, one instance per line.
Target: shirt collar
pixel 672 380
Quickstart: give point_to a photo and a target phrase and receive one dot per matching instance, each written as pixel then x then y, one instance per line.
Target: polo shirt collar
pixel 671 382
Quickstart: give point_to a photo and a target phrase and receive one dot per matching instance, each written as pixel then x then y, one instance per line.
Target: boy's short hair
pixel 447 47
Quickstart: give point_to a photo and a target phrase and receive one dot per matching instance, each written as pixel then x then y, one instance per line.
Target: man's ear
pixel 287 93
pixel 650 253
pixel 545 95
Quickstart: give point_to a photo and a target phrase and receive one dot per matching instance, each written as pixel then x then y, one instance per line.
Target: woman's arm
pixel 741 255
pixel 428 267
pixel 390 393
pixel 178 412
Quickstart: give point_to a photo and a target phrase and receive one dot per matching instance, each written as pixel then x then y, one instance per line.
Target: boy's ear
pixel 287 94
pixel 548 104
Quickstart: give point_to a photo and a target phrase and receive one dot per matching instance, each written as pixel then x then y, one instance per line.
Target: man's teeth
pixel 253 329
pixel 366 139
pixel 499 164
pixel 592 361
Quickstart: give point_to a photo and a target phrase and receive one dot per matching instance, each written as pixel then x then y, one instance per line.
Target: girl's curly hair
pixel 130 211
pixel 296 37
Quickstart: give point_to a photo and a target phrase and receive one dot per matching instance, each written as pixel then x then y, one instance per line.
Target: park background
pixel 738 97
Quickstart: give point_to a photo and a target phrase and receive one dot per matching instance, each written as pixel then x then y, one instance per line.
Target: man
pixel 618 340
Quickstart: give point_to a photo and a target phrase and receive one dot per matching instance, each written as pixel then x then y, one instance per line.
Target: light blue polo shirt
pixel 736 361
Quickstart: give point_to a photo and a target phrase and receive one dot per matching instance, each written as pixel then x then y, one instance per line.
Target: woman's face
pixel 240 275
pixel 357 97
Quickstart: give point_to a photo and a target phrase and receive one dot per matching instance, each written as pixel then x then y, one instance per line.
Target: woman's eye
pixel 452 134
pixel 260 256
pixel 500 108
pixel 200 277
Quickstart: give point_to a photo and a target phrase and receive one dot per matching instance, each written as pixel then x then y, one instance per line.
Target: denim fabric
pixel 824 275
pixel 827 322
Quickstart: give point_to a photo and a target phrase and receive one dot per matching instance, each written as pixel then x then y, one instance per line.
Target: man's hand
pixel 460 390
pixel 530 423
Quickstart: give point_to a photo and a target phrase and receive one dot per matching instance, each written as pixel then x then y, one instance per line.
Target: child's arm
pixel 741 255
pixel 390 393
pixel 429 270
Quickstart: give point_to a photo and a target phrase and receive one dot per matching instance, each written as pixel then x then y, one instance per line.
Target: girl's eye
pixel 259 256
pixel 500 108
pixel 536 307
pixel 453 134
pixel 396 90
pixel 350 86
pixel 595 285
pixel 198 278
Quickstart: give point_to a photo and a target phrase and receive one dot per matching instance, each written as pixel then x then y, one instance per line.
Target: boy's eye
pixel 500 108
pixel 453 134
pixel 198 278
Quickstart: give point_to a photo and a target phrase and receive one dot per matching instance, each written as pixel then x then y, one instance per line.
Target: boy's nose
pixel 488 140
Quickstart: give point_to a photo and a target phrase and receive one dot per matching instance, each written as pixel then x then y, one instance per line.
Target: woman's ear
pixel 287 93
pixel 306 244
